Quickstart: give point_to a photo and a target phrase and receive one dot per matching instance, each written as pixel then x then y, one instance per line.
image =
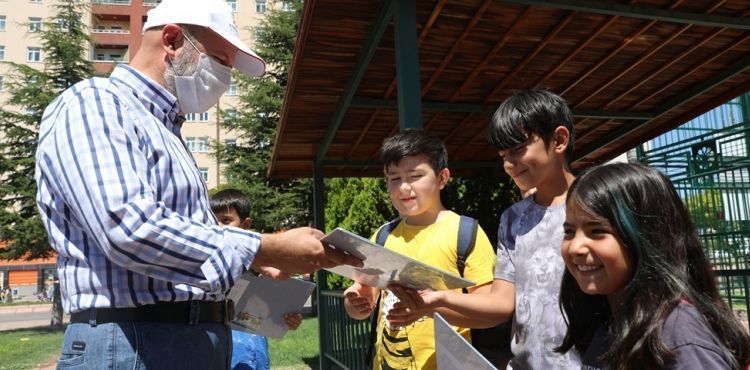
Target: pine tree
pixel 64 40
pixel 275 203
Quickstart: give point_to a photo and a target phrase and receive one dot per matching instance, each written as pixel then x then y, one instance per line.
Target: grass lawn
pixel 27 348
pixel 298 349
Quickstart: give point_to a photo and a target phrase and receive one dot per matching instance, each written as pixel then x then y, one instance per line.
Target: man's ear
pixel 443 176
pixel 561 139
pixel 171 39
pixel 246 223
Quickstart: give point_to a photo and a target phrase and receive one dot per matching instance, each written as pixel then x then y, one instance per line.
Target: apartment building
pixel 115 27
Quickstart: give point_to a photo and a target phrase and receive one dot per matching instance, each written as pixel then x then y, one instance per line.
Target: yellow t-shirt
pixel 413 347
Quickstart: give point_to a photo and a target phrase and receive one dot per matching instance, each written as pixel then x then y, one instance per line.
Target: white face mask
pixel 201 90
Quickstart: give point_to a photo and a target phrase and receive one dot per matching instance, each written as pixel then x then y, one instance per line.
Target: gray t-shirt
pixel 528 255
pixel 685 332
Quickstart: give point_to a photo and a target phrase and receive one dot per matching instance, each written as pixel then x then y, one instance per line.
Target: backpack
pixel 491 341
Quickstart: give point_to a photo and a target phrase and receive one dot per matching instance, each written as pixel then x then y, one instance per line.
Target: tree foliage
pixel 64 40
pixel 276 203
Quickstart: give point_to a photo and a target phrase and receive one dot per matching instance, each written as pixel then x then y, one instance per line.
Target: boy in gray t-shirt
pixel 533 132
pixel 528 256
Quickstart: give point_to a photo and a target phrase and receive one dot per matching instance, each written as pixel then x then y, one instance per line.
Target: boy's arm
pixel 485 306
pixel 359 300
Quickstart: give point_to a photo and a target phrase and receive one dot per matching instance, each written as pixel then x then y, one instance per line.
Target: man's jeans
pixel 144 345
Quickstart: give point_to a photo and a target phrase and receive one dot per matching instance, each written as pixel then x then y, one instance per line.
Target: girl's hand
pixel 292 320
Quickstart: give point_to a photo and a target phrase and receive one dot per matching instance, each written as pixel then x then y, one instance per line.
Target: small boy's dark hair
pixel 412 143
pixel 536 111
pixel 227 199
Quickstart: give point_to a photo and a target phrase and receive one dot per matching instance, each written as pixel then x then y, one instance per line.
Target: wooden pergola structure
pixel 630 70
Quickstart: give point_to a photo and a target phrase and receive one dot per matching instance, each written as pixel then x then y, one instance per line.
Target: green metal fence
pixel 344 341
pixel 707 160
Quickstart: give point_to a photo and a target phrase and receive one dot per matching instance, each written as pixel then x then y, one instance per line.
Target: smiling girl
pixel 639 293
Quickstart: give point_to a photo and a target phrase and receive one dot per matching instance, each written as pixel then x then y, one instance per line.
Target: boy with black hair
pixel 533 132
pixel 249 351
pixel 415 166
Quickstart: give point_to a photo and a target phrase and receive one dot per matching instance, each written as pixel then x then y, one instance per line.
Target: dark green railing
pixel 708 160
pixel 344 341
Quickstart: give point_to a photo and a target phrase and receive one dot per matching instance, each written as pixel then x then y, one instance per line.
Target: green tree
pixel 276 203
pixel 64 40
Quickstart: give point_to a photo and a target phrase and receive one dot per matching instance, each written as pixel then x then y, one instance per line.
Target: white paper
pixel 260 302
pixel 453 351
pixel 383 266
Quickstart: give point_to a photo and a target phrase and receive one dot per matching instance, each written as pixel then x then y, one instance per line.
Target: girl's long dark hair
pixel 649 217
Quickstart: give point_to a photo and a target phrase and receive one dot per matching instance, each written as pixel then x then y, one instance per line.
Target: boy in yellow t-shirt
pixel 415 166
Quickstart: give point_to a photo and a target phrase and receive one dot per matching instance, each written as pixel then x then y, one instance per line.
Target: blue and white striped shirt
pixel 123 203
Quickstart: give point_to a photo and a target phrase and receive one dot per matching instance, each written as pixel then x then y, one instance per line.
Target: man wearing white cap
pixel 143 265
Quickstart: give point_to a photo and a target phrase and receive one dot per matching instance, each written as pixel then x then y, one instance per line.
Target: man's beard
pixel 184 64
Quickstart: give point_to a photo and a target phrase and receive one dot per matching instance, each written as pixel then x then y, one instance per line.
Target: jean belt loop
pixel 195 313
pixel 92 317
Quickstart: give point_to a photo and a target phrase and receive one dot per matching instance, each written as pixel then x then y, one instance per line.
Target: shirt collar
pixel 155 98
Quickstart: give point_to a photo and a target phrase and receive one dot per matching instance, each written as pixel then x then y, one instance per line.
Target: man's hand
pixel 359 301
pixel 298 251
pixel 412 305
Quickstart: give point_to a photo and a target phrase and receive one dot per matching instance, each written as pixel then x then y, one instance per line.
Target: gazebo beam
pixel 385 14
pixel 407 65
pixel 490 109
pixel 640 12
pixel 669 106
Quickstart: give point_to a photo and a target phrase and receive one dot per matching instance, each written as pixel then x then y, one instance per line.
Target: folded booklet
pixel 260 302
pixel 453 351
pixel 383 266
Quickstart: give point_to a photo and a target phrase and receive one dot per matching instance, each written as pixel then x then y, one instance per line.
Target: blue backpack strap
pixel 467 236
pixel 386 230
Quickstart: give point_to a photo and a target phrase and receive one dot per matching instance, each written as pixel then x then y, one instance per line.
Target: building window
pixel 260 6
pixel 230 115
pixel 232 142
pixel 2 52
pixel 232 91
pixel 190 143
pixel 286 6
pixel 233 5
pixel 202 145
pixel 204 117
pixel 1 83
pixel 33 54
pixel 204 173
pixel 62 23
pixel 35 1
pixel 190 117
pixel 35 24
pixel 2 23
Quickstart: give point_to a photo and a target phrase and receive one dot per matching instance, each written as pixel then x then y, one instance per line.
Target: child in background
pixel 533 132
pixel 639 293
pixel 415 166
pixel 249 351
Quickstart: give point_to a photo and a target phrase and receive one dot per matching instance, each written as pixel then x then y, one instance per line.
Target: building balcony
pixel 111 7
pixel 111 37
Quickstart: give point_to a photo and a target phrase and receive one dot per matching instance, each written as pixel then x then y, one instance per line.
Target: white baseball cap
pixel 215 15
